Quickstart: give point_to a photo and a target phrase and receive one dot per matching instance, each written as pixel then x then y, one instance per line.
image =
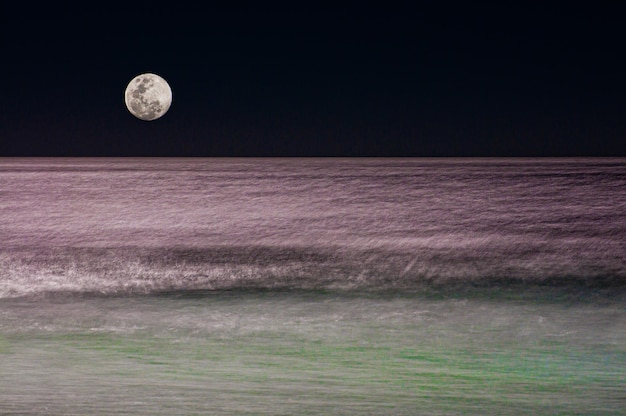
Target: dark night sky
pixel 434 79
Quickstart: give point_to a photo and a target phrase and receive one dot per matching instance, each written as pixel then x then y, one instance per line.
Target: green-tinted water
pixel 283 353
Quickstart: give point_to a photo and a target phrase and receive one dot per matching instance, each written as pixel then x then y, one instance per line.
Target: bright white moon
pixel 148 96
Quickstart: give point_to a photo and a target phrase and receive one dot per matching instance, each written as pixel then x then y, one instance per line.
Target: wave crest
pixel 148 270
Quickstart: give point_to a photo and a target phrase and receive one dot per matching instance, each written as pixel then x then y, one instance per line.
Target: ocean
pixel 295 286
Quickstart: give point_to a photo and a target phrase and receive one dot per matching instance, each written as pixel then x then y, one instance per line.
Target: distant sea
pixel 312 286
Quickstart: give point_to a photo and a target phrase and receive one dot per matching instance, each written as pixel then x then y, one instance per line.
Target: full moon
pixel 148 96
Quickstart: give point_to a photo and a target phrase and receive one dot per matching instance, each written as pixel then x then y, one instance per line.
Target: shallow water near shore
pixel 282 287
pixel 308 352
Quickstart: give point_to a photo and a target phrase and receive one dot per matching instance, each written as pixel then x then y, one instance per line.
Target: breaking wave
pixel 133 270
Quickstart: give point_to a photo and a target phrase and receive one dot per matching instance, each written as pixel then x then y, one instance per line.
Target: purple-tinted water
pixel 115 225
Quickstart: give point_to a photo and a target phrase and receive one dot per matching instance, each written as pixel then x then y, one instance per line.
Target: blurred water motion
pixel 312 286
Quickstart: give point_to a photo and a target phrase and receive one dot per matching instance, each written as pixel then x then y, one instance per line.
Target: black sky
pixel 425 79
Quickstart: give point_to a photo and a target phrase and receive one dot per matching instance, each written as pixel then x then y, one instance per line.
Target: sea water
pixel 312 286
